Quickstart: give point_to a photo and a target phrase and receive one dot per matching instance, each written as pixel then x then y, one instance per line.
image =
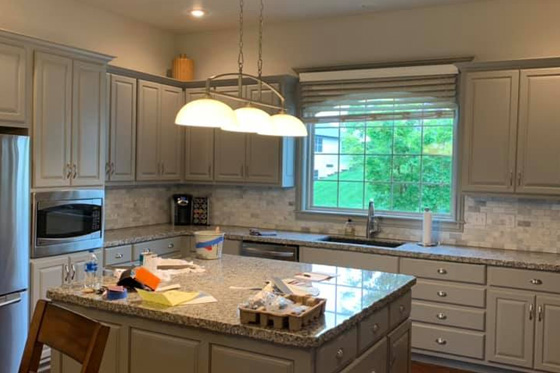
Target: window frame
pixel 305 195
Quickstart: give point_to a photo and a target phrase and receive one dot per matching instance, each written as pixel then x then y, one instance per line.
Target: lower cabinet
pixel 231 360
pixel 547 341
pixel 399 349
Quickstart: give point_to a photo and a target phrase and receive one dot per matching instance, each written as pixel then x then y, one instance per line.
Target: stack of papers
pixel 173 298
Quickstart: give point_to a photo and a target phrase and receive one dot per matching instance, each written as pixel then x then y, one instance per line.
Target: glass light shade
pixel 205 112
pixel 285 125
pixel 249 120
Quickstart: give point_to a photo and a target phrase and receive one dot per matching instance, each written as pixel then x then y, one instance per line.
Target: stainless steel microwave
pixel 67 221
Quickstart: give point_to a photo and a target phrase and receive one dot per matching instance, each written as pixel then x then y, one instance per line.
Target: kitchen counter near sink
pixel 474 255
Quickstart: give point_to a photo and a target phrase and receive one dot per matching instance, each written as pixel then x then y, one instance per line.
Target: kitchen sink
pixel 360 241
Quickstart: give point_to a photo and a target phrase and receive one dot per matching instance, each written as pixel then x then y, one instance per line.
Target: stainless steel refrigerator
pixel 14 249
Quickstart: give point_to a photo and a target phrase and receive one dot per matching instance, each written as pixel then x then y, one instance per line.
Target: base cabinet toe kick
pixel 378 343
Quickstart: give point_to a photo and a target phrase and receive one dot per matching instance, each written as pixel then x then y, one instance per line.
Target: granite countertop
pixel 473 255
pixel 351 296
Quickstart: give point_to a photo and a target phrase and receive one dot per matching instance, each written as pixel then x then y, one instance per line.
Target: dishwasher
pixel 288 253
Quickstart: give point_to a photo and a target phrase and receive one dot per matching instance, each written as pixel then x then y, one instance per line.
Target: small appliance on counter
pixel 201 211
pixel 181 209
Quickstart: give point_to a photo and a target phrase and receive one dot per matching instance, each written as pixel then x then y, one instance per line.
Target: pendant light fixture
pixel 209 112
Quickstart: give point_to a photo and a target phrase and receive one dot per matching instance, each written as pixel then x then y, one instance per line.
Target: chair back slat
pixel 74 335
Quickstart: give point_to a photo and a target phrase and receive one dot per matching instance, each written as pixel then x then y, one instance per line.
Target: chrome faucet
pixel 372 224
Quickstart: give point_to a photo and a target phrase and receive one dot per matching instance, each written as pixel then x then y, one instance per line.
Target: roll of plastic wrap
pixel 427 228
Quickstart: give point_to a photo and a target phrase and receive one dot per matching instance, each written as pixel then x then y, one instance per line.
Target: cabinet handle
pixel 68 170
pixel 441 316
pixel 66 273
pixel 340 353
pixel 118 256
pixel 531 311
pixel 441 341
pixel 511 178
pixel 75 171
pixel 442 271
pixel 375 328
pixel 112 170
pixel 519 178
pixel 107 169
pixel 73 273
pixel 441 294
pixel 536 281
pixel 170 246
pixel 540 312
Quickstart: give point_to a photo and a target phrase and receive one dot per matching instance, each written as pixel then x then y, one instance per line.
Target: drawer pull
pixel 441 294
pixel 170 246
pixel 402 308
pixel 340 353
pixel 536 281
pixel 442 271
pixel 441 316
pixel 119 256
pixel 441 341
pixel 375 328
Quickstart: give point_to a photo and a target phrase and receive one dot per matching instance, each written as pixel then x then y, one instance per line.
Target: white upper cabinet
pixel 13 85
pixel 52 106
pixel 122 130
pixel 68 136
pixel 88 124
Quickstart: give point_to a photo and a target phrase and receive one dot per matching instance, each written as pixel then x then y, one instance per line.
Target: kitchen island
pixel 365 327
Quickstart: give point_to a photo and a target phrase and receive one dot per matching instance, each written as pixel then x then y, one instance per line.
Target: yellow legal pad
pixel 169 298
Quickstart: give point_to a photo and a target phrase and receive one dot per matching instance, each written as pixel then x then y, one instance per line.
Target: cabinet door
pixel 230 360
pixel 490 128
pixel 52 120
pixel 47 273
pixel 538 153
pixel 547 338
pixel 229 156
pixel 199 154
pixel 510 328
pixel 122 133
pixel 13 85
pixel 263 159
pixel 399 349
pixel 147 151
pixel 88 124
pixel 170 134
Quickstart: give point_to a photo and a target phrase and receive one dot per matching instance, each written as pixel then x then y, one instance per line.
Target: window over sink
pixel 382 134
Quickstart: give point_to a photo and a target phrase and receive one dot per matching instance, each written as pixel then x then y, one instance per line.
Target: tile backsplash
pixel 508 223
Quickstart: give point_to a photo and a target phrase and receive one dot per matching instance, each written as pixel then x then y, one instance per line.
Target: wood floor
pixel 427 368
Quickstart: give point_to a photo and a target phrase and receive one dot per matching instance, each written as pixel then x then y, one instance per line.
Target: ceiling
pixel 173 14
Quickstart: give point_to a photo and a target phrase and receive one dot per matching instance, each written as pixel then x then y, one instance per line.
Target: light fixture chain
pixel 241 58
pixel 261 27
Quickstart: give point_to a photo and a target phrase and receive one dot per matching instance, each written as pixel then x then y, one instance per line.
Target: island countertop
pixel 351 296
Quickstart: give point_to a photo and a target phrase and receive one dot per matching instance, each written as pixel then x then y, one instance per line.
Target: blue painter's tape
pixel 116 295
pixel 200 245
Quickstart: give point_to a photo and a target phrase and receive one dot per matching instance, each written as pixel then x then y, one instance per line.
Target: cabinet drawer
pixel 438 270
pixel 372 328
pixel 440 314
pixel 448 340
pixel 118 255
pixel 524 279
pixel 399 310
pixel 438 291
pixel 160 247
pixel 373 360
pixel 338 353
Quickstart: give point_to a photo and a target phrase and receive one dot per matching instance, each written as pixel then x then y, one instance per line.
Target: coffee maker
pixel 181 209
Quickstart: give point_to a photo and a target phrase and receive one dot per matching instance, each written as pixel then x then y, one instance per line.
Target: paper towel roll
pixel 427 228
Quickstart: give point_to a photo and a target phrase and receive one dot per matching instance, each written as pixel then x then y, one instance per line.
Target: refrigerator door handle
pixel 10 299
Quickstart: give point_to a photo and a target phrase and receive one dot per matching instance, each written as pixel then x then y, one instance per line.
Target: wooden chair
pixel 79 337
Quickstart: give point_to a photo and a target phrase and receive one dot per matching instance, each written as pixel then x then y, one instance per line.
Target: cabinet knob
pixel 375 328
pixel 440 341
pixel 441 294
pixel 340 353
pixel 536 281
pixel 402 308
pixel 441 316
pixel 170 246
pixel 118 256
pixel 442 271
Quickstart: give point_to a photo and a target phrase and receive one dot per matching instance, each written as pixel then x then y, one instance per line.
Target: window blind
pixel 377 99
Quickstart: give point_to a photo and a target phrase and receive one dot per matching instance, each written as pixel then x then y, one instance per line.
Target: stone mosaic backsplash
pixel 494 222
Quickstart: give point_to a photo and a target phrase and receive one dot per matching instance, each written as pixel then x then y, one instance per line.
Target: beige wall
pixel 489 30
pixel 136 45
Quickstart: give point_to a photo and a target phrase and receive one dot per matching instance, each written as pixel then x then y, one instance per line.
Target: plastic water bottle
pixel 92 278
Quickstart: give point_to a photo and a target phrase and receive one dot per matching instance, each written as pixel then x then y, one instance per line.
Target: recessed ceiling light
pixel 198 13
